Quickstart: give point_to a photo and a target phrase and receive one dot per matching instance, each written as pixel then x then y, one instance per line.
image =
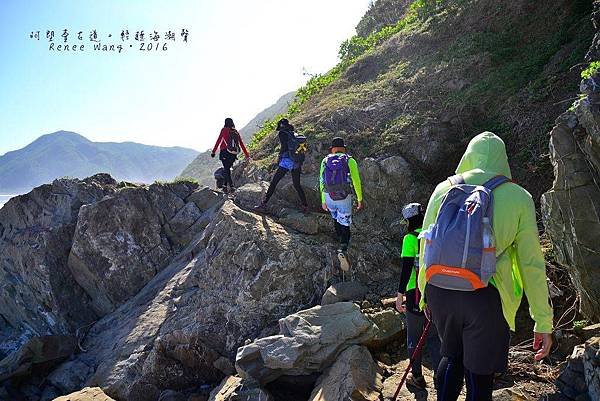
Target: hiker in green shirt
pixel 339 178
pixel 409 295
pixel 474 324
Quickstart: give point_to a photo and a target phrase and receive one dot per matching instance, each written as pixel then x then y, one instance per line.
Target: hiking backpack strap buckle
pixel 495 182
pixel 456 180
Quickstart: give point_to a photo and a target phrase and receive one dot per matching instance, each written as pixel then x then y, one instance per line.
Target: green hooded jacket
pixel 520 264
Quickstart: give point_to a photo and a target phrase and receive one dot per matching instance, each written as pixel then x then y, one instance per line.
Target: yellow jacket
pixel 520 264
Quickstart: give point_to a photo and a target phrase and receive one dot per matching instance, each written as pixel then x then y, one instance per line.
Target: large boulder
pixel 571 209
pixel 38 293
pixel 231 283
pixel 574 226
pixel 308 341
pixel 391 326
pixel 353 377
pixel 122 242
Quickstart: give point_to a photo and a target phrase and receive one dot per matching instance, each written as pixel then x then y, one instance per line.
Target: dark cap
pixel 338 143
pixel 283 123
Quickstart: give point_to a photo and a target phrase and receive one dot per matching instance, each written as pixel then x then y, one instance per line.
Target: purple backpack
pixel 460 248
pixel 337 176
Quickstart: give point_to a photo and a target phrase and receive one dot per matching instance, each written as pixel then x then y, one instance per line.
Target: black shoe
pixel 416 381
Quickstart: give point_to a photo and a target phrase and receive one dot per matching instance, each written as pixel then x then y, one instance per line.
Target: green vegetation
pixel 578 325
pixel 591 70
pixel 312 87
pixel 350 50
pixel 178 180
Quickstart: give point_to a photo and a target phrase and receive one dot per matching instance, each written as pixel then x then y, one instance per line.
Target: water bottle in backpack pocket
pixel 460 251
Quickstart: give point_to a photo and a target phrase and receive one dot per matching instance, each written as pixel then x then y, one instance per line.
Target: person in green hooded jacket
pixel 474 325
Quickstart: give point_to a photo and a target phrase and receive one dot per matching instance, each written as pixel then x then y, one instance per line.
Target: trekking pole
pixel 414 355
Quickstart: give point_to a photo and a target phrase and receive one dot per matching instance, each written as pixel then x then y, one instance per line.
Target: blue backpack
pixel 460 250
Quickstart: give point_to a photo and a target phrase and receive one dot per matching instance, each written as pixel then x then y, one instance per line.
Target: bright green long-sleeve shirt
pixel 354 177
pixel 520 264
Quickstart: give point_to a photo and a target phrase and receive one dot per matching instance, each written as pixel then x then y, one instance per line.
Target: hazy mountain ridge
pixel 66 153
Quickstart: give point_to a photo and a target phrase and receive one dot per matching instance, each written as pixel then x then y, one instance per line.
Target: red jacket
pixel 224 139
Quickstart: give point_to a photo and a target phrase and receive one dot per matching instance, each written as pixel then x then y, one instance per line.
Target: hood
pixel 485 152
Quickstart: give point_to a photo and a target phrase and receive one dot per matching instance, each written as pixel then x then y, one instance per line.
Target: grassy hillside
pixel 446 70
pixel 69 154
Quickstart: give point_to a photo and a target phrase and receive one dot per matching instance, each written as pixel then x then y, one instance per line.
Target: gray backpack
pixel 460 250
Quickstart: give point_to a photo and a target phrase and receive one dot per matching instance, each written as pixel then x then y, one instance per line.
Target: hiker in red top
pixel 229 143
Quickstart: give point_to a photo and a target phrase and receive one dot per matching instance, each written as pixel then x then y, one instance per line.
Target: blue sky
pixel 240 57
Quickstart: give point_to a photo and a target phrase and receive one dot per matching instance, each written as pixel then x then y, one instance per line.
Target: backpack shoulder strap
pixel 495 182
pixel 456 180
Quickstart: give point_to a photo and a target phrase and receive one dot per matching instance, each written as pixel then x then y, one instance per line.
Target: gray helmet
pixel 411 210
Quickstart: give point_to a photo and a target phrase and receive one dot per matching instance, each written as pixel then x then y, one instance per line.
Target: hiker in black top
pixel 285 164
pixel 408 298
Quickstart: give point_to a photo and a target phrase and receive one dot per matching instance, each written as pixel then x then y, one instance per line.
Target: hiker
pixel 292 152
pixel 408 298
pixel 492 233
pixel 229 144
pixel 338 176
pixel 220 177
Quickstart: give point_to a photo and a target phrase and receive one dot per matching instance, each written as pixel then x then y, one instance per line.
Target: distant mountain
pixel 203 166
pixel 69 154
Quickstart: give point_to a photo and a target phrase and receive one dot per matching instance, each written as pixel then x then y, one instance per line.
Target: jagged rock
pixel 571 381
pixel 574 227
pixel 391 326
pixel 352 377
pixel 87 394
pixel 121 242
pixel 309 341
pixel 344 291
pixel 37 353
pixel 38 294
pixel 232 282
pixel 591 365
pixel 233 388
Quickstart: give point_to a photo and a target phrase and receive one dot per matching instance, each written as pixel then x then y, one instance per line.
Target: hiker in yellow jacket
pixel 474 325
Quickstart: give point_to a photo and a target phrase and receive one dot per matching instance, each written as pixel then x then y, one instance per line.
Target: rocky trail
pixel 175 292
pixel 241 277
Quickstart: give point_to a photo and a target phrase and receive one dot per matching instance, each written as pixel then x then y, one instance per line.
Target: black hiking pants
pixel 474 337
pixel 343 233
pixel 227 159
pixel 279 174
